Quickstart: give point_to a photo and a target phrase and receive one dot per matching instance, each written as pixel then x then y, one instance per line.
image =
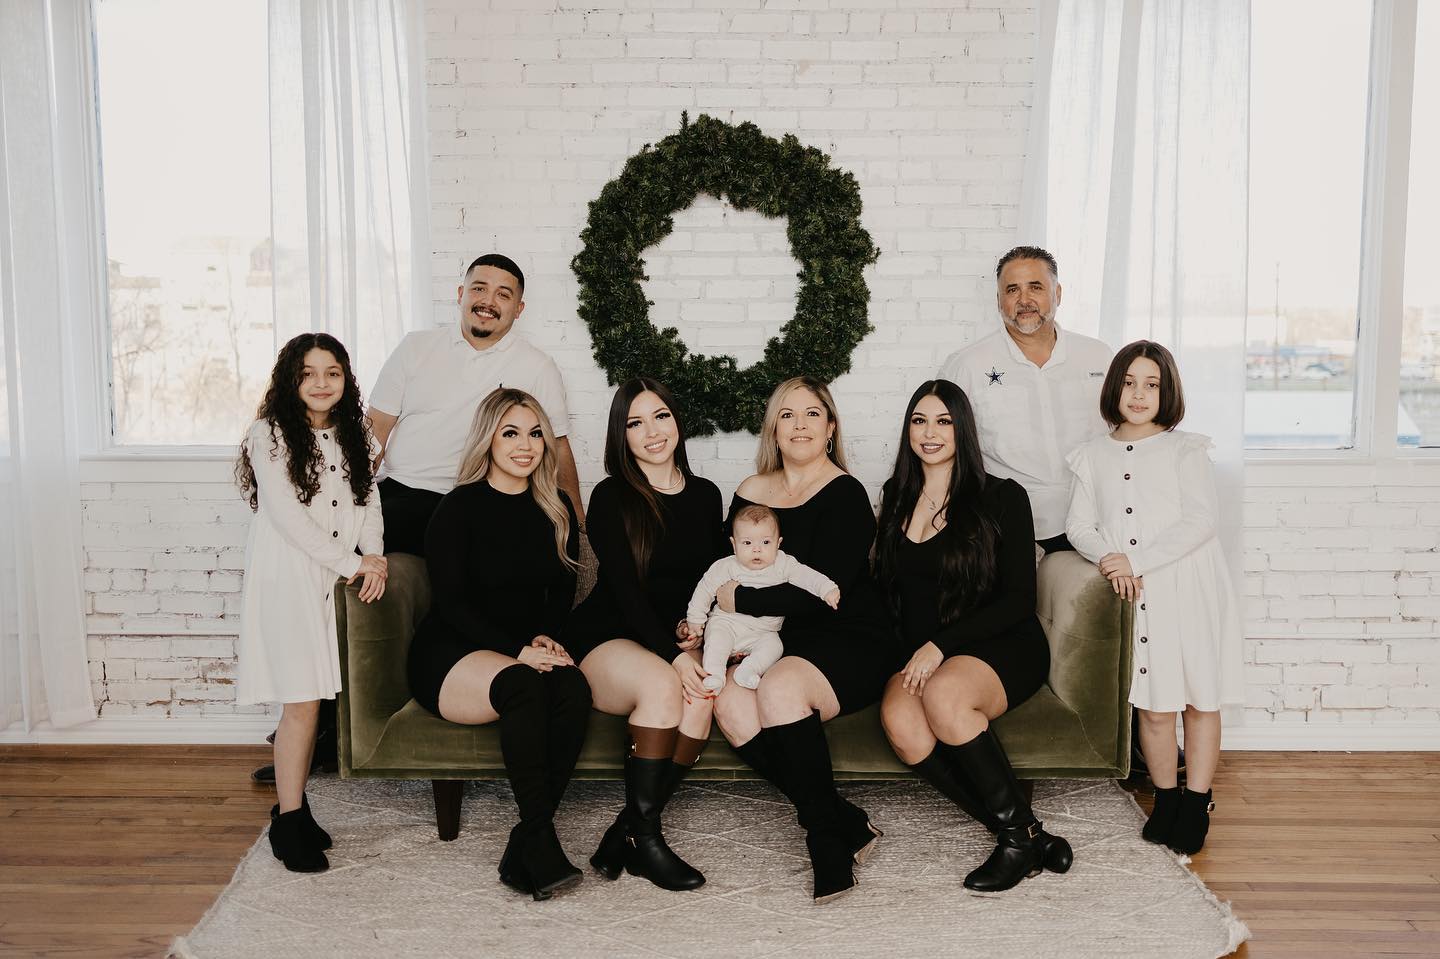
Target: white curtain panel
pixel 44 675
pixel 348 173
pixel 1136 179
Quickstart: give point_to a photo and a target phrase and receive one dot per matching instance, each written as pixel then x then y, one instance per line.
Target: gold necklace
pixel 679 478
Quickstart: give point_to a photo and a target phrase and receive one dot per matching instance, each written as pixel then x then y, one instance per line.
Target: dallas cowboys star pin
pixel 995 377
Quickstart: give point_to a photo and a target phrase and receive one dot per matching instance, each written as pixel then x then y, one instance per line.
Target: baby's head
pixel 755 535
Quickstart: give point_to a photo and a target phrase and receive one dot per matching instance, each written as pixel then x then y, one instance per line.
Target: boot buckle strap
pixel 1033 831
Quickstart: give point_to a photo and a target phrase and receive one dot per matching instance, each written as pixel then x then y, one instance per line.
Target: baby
pixel 757 562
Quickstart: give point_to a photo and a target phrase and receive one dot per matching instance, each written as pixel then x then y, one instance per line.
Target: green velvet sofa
pixel 1078 725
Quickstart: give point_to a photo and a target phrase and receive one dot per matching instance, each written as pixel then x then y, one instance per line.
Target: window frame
pixel 1384 210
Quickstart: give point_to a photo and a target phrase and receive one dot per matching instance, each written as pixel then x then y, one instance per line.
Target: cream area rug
pixel 394 889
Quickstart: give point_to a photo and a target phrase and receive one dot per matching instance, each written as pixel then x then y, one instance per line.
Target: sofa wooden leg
pixel 447 806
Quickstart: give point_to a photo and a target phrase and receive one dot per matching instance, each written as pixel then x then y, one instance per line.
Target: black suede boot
pixel 291 844
pixel 318 837
pixel 1022 846
pixel 568 694
pixel 1161 824
pixel 533 860
pixel 860 833
pixel 803 758
pixel 1192 823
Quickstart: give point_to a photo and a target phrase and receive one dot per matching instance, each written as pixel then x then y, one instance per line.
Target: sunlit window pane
pixel 1307 156
pixel 1420 337
pixel 182 91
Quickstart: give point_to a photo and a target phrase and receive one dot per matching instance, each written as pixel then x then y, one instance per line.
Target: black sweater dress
pixel 646 608
pixel 496 582
pixel 853 646
pixel 1001 628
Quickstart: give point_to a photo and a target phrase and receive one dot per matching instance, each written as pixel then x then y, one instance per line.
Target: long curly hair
pixel 283 410
pixel 639 503
pixel 968 559
pixel 544 481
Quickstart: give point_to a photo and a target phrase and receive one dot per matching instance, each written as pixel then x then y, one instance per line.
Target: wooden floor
pixel 112 851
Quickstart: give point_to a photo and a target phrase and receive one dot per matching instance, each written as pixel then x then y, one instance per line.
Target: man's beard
pixel 480 334
pixel 1025 329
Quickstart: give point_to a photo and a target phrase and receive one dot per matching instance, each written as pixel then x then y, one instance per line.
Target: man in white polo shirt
pixel 1035 388
pixel 429 388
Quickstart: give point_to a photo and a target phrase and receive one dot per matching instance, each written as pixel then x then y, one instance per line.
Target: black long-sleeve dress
pixel 646 609
pixel 496 582
pixel 853 646
pixel 1001 628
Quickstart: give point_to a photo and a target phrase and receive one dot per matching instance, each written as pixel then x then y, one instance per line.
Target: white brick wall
pixel 532 112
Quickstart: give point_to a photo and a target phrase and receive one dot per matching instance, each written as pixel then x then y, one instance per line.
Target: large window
pixel 1420 335
pixel 1324 130
pixel 182 93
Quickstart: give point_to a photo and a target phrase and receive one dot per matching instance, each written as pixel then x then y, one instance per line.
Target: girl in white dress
pixel 1143 508
pixel 305 467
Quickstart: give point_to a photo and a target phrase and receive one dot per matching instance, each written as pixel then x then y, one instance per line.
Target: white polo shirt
pixel 1030 417
pixel 434 381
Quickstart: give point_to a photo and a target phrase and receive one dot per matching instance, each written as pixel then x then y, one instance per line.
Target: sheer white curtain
pixel 348 175
pixel 1136 179
pixel 44 675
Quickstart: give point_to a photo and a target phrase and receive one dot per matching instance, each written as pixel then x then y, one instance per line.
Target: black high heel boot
pixel 803 756
pixel 1161 824
pixel 1022 845
pixel 290 843
pixel 1192 822
pixel 533 860
pixel 860 833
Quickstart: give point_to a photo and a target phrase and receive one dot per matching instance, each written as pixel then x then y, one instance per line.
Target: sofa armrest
pixel 374 643
pixel 1089 629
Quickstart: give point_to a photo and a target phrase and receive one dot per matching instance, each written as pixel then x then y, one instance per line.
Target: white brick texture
pixel 533 108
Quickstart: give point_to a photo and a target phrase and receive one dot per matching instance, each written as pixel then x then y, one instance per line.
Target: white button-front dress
pixel 288 651
pixel 1154 500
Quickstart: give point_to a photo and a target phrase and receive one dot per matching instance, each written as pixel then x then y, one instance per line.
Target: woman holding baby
pixel 655 528
pixel 835 661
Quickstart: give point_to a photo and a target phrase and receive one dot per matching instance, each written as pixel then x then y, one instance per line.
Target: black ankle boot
pixel 803 760
pixel 290 843
pixel 1192 822
pixel 318 837
pixel 1022 847
pixel 648 783
pixel 859 832
pixel 1161 824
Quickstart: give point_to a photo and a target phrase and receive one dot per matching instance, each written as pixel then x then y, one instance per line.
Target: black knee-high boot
pixel 860 834
pixel 939 770
pixel 568 694
pixel 533 860
pixel 635 842
pixel 809 781
pixel 1022 846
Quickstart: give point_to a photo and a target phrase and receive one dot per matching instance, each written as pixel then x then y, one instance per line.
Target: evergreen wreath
pixel 739 164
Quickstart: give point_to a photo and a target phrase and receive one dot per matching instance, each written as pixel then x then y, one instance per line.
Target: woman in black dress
pixel 502 550
pixel 655 528
pixel 836 661
pixel 955 556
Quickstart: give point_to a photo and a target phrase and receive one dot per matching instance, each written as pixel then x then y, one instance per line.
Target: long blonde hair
pixel 544 481
pixel 767 454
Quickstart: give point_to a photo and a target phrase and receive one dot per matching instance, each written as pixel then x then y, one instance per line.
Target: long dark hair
pixel 639 503
pixel 283 409
pixel 967 558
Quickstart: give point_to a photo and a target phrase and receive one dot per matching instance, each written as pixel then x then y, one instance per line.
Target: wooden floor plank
pixel 112 851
